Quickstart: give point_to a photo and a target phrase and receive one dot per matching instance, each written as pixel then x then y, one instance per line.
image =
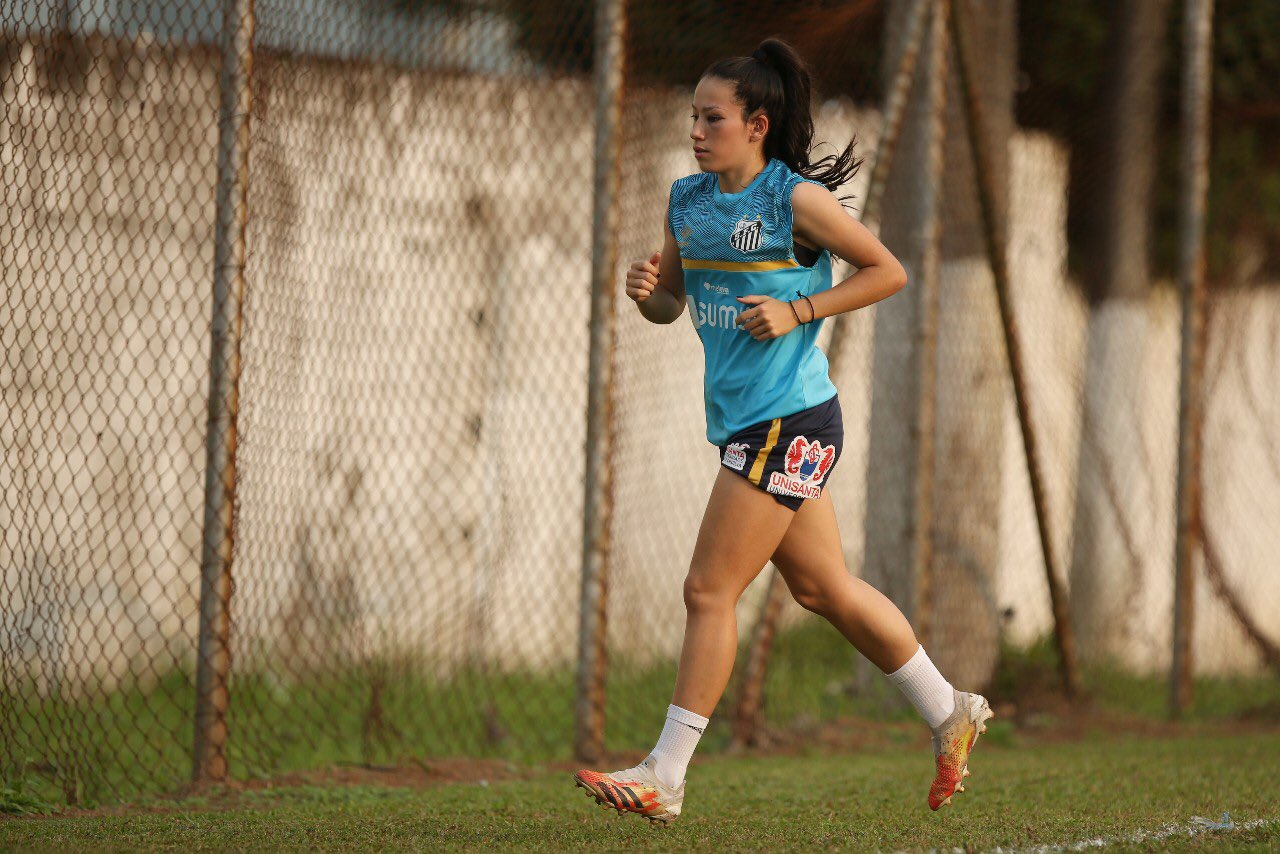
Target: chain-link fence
pixel 108 165
pixel 381 215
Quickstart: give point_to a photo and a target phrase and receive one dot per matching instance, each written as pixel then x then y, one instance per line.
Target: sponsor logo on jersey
pixel 683 240
pixel 747 235
pixel 712 314
pixel 804 467
pixel 720 289
pixel 735 456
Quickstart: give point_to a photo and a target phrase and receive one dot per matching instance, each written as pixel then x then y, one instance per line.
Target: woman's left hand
pixel 767 318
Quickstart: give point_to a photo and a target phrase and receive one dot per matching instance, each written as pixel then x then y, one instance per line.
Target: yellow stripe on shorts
pixel 757 470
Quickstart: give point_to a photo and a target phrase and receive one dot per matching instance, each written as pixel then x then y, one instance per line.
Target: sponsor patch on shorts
pixel 780 484
pixel 735 456
pixel 805 466
pixel 808 462
pixel 790 457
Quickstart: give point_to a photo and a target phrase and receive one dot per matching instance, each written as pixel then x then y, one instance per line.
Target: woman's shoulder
pixel 807 191
pixel 785 179
pixel 698 180
pixel 788 188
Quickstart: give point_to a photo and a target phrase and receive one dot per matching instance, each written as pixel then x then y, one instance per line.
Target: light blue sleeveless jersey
pixel 737 244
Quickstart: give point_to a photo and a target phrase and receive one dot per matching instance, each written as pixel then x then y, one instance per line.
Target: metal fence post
pixel 900 470
pixel 598 500
pixel 213 659
pixel 895 109
pixel 995 231
pixel 747 718
pixel 747 715
pixel 1196 78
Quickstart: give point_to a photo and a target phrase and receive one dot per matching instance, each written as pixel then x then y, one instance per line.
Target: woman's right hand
pixel 642 277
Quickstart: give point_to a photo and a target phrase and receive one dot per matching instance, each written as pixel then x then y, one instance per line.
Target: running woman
pixel 748 247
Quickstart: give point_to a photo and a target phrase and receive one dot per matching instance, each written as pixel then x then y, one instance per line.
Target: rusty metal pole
pixel 996 235
pixel 213 656
pixel 1196 79
pixel 882 160
pixel 592 663
pixel 926 331
pixel 747 717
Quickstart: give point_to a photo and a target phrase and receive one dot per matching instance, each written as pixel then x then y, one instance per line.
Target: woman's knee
pixel 703 594
pixel 817 595
pixel 813 599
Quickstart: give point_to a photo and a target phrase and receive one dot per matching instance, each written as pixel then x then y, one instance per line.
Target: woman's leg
pixel 741 528
pixel 812 562
pixel 810 559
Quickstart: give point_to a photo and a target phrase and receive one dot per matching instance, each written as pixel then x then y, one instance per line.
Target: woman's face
pixel 722 138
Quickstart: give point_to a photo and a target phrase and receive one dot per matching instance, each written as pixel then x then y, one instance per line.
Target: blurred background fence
pixel 297 297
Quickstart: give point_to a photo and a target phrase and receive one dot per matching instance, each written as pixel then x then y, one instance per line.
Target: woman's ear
pixel 759 126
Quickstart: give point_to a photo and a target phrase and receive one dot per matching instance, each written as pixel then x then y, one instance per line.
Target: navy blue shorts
pixel 789 457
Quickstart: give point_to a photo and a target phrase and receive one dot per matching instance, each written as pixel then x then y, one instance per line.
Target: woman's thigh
pixel 741 528
pixel 809 555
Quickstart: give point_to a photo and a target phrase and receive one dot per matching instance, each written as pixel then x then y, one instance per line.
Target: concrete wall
pixel 415 359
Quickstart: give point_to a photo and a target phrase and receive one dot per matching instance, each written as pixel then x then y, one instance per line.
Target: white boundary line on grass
pixel 1188 830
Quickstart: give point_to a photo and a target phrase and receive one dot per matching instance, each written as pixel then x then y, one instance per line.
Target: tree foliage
pixel 1063 64
pixel 1062 54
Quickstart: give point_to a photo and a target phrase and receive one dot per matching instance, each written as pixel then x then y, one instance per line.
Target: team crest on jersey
pixel 804 468
pixel 747 235
pixel 683 240
pixel 735 455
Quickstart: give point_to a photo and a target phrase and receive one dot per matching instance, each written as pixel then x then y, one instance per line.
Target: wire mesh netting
pixel 408 527
pixel 419 234
pixel 107 175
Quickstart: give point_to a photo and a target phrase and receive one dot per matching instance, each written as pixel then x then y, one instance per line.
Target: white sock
pixel 923 685
pixel 675 748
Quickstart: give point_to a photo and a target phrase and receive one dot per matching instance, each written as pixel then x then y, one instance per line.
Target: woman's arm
pixel 820 220
pixel 665 301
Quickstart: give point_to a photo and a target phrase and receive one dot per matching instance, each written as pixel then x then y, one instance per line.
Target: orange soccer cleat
pixel 636 790
pixel 952 742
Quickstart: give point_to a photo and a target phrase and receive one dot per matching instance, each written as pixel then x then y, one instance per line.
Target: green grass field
pixel 1134 792
pixel 135 742
pixel 848 767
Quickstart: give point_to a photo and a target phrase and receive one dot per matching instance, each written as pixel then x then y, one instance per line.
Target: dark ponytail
pixel 776 80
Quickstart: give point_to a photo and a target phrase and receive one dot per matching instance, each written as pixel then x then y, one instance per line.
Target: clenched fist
pixel 642 277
